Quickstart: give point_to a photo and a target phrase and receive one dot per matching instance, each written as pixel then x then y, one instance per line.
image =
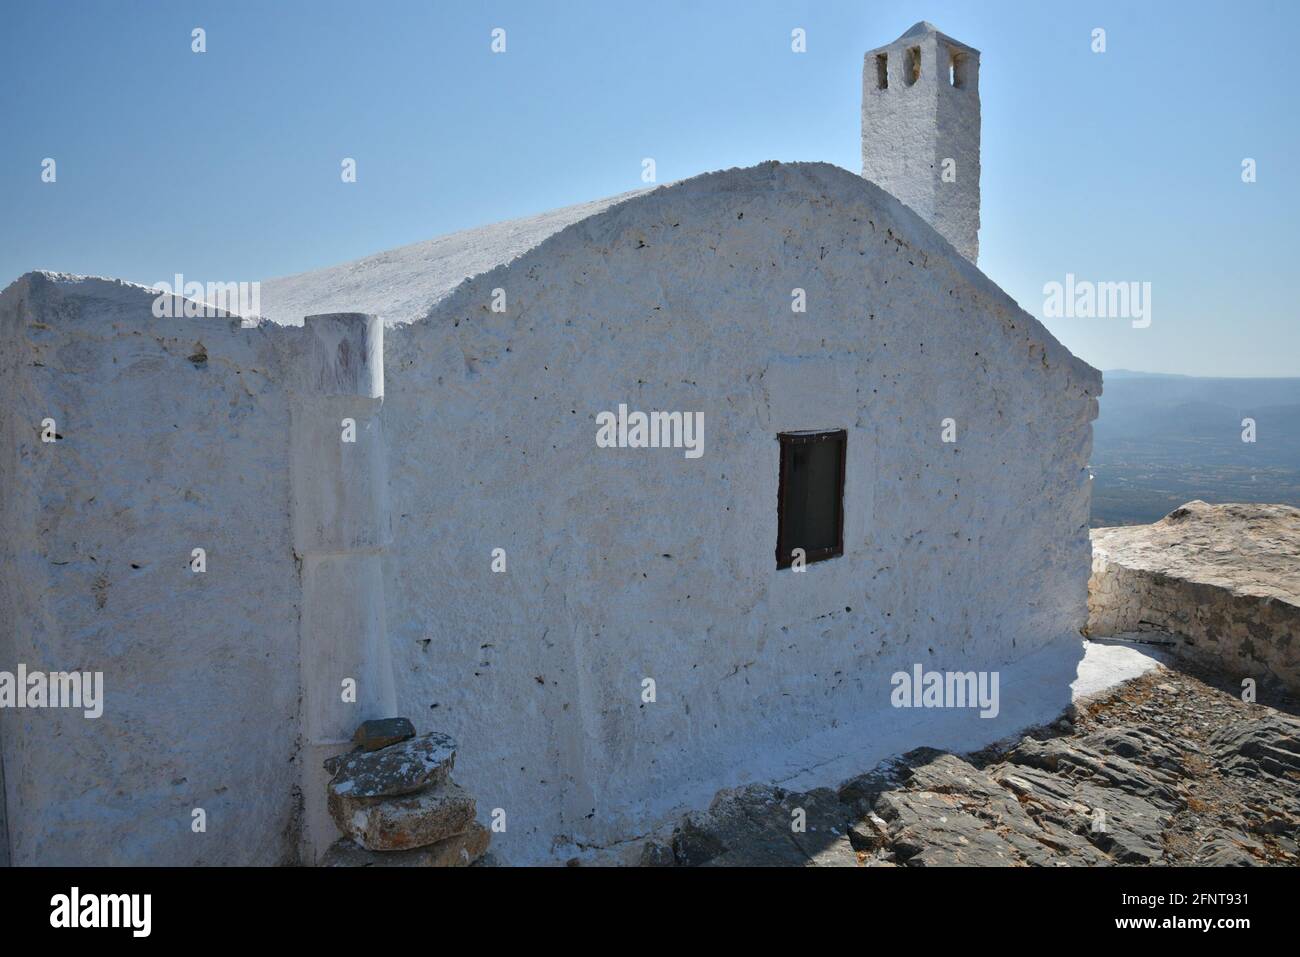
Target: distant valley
pixel 1162 440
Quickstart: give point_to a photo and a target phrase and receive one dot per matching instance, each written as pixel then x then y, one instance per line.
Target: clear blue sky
pixel 225 166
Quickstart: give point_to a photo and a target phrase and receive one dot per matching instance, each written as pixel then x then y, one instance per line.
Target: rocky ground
pixel 1171 768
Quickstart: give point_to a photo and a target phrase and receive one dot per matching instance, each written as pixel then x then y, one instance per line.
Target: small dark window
pixel 912 66
pixel 810 497
pixel 882 71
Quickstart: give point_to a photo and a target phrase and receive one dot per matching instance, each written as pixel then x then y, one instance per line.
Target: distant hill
pixel 1161 440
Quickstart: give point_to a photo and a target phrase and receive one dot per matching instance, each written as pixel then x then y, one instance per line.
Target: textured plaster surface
pixel 160 454
pixel 1224 579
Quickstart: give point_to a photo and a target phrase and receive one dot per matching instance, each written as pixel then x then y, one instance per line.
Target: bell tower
pixel 921 130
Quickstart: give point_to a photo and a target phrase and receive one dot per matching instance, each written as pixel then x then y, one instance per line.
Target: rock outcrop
pixel 1224 580
pixel 1164 770
pixel 396 803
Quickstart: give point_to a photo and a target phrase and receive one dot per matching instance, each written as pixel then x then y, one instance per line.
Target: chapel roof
pixel 405 284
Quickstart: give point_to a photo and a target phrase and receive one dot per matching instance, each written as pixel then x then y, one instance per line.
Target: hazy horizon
pixel 1187 375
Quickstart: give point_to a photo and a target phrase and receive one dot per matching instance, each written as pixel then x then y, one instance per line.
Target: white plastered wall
pixel 161 452
pixel 626 564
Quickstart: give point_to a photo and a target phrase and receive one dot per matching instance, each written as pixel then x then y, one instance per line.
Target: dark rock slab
pixel 403 768
pixel 1071 759
pixel 1031 817
pixel 1267 743
pixel 657 854
pixel 382 732
pixel 1147 747
pixel 1129 829
pixel 949 774
pixel 753 826
pixel 1034 787
pixel 871 834
pixel 929 829
pixel 1228 849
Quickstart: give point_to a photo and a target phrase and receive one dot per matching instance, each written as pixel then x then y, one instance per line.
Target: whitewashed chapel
pixel 640 496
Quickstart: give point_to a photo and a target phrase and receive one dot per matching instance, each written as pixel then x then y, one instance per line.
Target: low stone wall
pixel 1223 579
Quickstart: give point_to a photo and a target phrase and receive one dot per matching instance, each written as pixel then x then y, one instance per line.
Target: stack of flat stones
pixel 393 798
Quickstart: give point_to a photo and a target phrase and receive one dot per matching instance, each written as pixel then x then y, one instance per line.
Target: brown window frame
pixel 784 549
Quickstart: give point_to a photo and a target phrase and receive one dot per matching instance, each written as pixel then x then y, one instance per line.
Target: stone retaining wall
pixel 1215 577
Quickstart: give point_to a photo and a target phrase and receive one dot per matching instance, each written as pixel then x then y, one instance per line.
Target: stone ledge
pixel 1224 580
